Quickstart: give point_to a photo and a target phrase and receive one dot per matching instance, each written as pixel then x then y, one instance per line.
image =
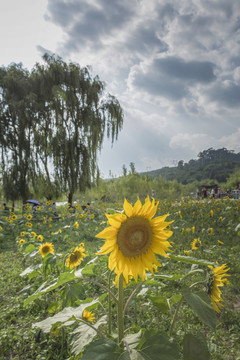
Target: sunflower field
pixel 148 280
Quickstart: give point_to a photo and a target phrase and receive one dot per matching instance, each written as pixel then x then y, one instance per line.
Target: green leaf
pixel 84 334
pixel 69 314
pixel 168 277
pixel 71 293
pixel 52 308
pixel 132 355
pixel 88 269
pixel 29 249
pixel 133 339
pixel 158 346
pixel 63 278
pixel 201 304
pixel 30 269
pixel 102 349
pixel 175 299
pixel 190 260
pixel 160 302
pixel 195 347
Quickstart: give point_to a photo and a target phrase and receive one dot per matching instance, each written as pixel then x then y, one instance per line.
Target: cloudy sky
pixel 173 65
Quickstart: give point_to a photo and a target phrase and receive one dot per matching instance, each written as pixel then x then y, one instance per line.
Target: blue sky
pixel 173 65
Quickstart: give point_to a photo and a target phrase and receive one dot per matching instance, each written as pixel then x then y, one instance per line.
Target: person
pixel 213 193
pixel 5 208
pixel 153 194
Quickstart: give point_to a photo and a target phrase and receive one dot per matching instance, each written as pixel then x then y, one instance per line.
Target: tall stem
pixel 120 312
pixel 109 306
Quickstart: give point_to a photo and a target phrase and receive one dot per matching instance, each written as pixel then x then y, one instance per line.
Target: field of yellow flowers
pixel 143 281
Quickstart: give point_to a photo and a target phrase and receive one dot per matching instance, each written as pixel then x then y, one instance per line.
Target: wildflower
pixel 88 316
pixel 46 248
pixel 195 244
pixel 133 239
pixel 76 257
pixel 216 280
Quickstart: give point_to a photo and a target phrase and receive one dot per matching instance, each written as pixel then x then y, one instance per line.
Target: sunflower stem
pixel 120 312
pixel 131 296
pixel 109 306
pixel 175 316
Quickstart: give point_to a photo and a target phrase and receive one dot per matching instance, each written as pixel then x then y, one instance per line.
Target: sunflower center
pixel 45 249
pixel 75 256
pixel 134 236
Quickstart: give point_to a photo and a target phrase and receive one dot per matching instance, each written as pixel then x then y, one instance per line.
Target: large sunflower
pixel 76 257
pixel 216 280
pixel 134 238
pixel 46 249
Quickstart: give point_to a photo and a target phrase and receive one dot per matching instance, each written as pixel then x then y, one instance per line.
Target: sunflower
pixel 33 234
pixel 134 238
pixel 75 258
pixel 46 249
pixel 76 224
pixel 217 279
pixel 14 217
pixel 22 233
pixel 29 217
pixel 88 316
pixel 195 244
pixel 21 241
pixel 40 238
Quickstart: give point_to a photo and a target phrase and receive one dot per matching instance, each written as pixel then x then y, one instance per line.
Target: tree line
pixel 53 120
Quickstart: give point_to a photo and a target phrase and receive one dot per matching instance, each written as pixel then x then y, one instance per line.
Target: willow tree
pixel 80 115
pixel 16 123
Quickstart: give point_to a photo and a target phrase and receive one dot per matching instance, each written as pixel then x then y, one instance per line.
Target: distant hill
pixel 211 164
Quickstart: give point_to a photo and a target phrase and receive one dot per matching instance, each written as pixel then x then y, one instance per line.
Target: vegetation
pixel 50 311
pixel 213 165
pixel 52 125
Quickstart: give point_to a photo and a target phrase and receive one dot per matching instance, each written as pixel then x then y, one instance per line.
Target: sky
pixel 173 65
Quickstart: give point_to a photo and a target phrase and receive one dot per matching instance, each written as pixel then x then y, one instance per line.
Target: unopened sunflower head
pixel 134 238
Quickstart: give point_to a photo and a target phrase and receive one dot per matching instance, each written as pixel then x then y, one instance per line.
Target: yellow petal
pixel 127 208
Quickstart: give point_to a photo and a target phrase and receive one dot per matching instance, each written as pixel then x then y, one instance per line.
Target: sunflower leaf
pixel 102 349
pixel 65 317
pixel 195 347
pixel 84 334
pixel 201 304
pixel 63 278
pixel 190 260
pixel 157 346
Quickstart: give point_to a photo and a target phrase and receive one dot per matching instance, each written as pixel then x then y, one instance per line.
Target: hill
pixel 211 164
